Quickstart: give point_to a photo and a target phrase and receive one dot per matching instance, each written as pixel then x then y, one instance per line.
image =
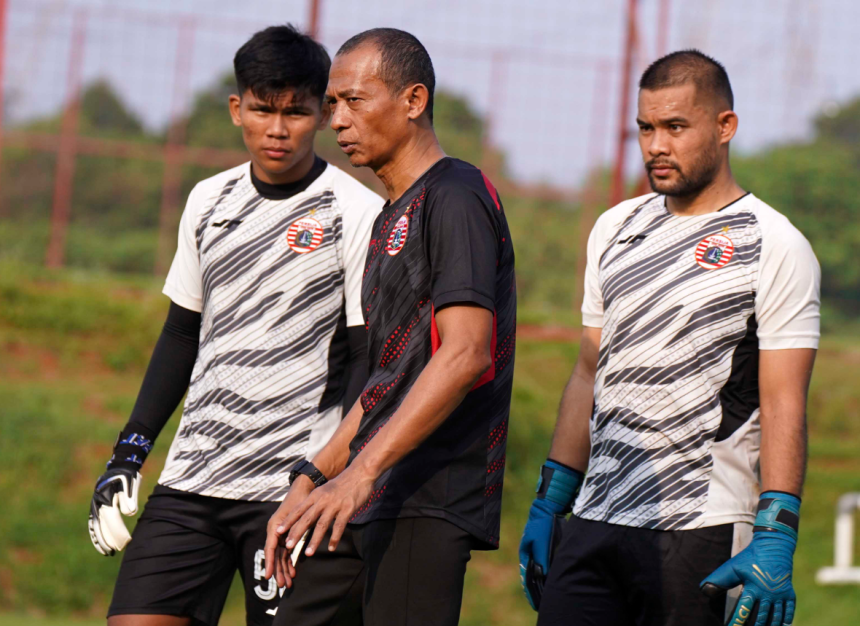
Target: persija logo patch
pixel 305 235
pixel 714 252
pixel 397 238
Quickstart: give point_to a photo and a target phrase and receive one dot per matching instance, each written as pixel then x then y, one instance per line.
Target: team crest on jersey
pixel 305 235
pixel 714 252
pixel 397 238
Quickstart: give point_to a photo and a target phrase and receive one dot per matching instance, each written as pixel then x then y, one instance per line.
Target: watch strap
pixel 310 470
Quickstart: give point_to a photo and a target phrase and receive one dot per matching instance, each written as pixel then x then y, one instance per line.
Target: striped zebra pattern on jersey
pixel 673 318
pixel 273 299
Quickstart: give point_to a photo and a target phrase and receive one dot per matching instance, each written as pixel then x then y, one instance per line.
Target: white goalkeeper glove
pixel 115 495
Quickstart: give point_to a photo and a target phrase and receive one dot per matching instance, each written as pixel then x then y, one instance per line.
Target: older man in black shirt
pixel 411 482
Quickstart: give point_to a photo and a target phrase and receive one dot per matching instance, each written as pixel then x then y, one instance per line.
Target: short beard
pixel 700 173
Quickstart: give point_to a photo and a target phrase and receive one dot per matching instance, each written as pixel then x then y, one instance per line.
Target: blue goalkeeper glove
pixel 556 490
pixel 764 567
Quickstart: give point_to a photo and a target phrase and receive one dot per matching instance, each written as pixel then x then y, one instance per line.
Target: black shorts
pixel 384 572
pixel 184 553
pixel 609 575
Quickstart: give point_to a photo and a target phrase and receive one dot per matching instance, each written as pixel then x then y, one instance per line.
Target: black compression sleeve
pixel 165 382
pixel 357 369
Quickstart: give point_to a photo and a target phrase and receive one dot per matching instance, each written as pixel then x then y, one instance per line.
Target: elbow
pixel 474 362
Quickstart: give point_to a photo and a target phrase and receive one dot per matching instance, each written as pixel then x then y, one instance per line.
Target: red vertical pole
pixel 663 17
pixel 174 149
pixel 2 102
pixel 590 197
pixel 498 78
pixel 65 173
pixel 626 68
pixel 314 18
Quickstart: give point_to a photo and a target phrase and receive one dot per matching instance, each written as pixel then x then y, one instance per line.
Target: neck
pixel 298 171
pixel 721 191
pixel 411 159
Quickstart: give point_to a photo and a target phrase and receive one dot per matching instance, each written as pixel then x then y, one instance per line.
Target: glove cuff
pixel 778 512
pixel 132 446
pixel 558 483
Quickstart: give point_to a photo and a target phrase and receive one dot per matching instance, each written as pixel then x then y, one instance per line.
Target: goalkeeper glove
pixel 556 489
pixel 116 492
pixel 764 567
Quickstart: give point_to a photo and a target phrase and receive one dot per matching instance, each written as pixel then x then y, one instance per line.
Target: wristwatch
pixel 308 469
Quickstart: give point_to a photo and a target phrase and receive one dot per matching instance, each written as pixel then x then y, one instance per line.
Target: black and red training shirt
pixel 443 242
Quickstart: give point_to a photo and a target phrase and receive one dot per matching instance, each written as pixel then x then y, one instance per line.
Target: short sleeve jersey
pixel 277 282
pixel 685 304
pixel 444 242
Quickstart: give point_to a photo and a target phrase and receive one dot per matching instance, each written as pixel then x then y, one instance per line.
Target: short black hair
pixel 404 60
pixel 685 66
pixel 280 58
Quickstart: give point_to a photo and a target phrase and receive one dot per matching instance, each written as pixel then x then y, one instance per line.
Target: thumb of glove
pixel 721 579
pixel 127 498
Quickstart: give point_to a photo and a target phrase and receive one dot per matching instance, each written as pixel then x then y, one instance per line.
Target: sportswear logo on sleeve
pixel 633 239
pixel 397 238
pixel 226 223
pixel 714 252
pixel 305 235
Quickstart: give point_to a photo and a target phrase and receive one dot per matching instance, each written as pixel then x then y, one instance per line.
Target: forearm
pixel 783 453
pixel 571 441
pixel 331 460
pixel 441 387
pixel 783 383
pixel 166 379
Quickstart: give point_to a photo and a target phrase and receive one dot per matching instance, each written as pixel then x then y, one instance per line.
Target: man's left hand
pixel 331 505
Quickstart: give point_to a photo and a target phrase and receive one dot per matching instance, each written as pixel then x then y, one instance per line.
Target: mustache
pixel 654 163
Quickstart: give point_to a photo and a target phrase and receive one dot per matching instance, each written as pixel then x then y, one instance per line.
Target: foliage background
pixel 74 345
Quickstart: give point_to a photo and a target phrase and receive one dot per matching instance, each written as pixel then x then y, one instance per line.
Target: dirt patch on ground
pixel 28 363
pixel 548 333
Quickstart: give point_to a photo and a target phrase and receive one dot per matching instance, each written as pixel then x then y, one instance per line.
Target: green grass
pixel 73 349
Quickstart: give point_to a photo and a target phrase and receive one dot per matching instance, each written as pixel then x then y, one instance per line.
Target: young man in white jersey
pixel 265 331
pixel 681 437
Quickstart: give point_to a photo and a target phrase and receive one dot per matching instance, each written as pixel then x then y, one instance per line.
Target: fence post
pixel 174 149
pixel 3 7
pixel 627 68
pixel 65 172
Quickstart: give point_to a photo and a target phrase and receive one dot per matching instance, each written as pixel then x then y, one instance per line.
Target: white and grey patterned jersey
pixel 685 304
pixel 277 282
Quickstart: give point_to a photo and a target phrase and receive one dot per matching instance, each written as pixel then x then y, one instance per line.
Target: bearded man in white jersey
pixel 681 437
pixel 265 331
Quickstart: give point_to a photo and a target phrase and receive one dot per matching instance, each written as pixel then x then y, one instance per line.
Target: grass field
pixel 73 348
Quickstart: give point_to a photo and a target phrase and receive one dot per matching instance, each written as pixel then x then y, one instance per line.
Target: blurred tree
pixel 102 112
pixel 842 126
pixel 817 186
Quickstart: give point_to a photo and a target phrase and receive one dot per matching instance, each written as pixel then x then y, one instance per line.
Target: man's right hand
pixel 556 491
pixel 278 562
pixel 115 495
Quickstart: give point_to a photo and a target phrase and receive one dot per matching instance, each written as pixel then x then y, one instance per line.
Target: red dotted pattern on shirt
pixel 505 351
pixel 367 310
pixel 498 435
pixel 491 489
pixel 376 495
pixel 372 396
pixel 397 342
pixel 497 465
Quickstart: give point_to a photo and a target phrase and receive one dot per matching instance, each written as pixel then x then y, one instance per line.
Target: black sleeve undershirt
pixel 357 368
pixel 168 374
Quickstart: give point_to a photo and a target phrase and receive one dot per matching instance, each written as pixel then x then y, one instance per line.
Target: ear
pixel 326 115
pixel 727 122
pixel 418 97
pixel 235 104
